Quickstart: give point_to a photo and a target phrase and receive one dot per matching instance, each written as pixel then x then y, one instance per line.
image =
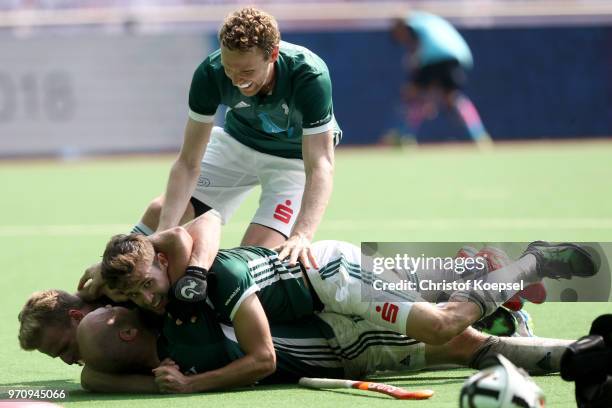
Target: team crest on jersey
pixel 269 126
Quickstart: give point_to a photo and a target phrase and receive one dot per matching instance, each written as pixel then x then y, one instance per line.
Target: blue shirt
pixel 438 40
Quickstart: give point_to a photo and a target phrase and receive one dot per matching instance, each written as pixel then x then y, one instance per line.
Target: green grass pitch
pixel 56 218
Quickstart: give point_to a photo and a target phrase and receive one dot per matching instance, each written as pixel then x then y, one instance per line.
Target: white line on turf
pixel 344 225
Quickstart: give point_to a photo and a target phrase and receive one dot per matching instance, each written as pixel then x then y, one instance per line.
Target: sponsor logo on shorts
pixel 389 312
pixel 283 212
pixel 203 181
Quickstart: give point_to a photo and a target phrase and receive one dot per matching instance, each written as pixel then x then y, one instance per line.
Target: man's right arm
pixel 176 244
pixel 205 232
pixel 184 173
pixel 96 381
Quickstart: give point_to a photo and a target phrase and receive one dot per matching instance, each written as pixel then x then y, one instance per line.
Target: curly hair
pixel 44 309
pixel 121 256
pixel 247 28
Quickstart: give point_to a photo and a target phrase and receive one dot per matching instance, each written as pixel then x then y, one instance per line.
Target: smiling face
pixel 131 266
pixel 149 284
pixel 249 40
pixel 250 71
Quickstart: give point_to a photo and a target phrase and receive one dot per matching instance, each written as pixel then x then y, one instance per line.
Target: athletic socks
pixel 523 270
pixel 143 229
pixel 390 315
pixel 469 115
pixel 535 355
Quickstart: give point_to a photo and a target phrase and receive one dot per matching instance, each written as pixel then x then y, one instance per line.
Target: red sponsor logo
pixel 389 312
pixel 283 212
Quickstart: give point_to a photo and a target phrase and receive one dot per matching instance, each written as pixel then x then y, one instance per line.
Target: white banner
pixel 63 94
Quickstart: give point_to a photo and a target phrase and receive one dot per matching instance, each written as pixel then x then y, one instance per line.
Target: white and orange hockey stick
pixel 395 392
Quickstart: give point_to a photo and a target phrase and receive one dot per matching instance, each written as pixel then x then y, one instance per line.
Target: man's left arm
pixel 259 361
pixel 318 155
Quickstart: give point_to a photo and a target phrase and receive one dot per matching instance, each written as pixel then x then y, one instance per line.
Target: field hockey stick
pixel 395 392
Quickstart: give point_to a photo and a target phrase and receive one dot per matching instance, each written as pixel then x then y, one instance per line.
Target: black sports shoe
pixel 564 260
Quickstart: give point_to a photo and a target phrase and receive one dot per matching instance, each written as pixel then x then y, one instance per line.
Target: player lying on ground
pixel 123 354
pixel 353 349
pixel 178 248
pixel 175 243
pixel 339 285
pixel 49 319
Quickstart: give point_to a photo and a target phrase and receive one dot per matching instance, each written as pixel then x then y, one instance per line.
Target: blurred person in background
pixel 437 60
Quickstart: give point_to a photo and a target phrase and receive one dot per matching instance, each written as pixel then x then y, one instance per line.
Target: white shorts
pixel 230 170
pixel 366 348
pixel 343 287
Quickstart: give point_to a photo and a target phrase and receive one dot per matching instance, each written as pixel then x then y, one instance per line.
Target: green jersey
pixel 195 341
pixel 200 344
pixel 242 271
pixel 299 105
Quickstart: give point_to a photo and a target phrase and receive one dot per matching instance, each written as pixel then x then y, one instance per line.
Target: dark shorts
pixel 448 74
pixel 198 207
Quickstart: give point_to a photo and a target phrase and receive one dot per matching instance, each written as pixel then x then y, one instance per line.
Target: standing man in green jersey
pixel 279 133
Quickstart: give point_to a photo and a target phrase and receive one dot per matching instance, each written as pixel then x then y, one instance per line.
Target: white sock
pixel 390 315
pixel 525 270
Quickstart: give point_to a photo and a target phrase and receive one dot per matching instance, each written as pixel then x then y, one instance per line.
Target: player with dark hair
pixel 341 285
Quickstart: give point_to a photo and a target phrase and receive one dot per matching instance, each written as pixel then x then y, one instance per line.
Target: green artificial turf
pixel 56 218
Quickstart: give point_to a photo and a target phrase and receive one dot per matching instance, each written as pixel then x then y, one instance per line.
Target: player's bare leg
pixel 440 323
pixel 260 235
pixel 459 350
pixel 150 219
pixel 467 113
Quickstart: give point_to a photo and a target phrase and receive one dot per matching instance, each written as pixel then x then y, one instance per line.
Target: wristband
pixel 197 272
